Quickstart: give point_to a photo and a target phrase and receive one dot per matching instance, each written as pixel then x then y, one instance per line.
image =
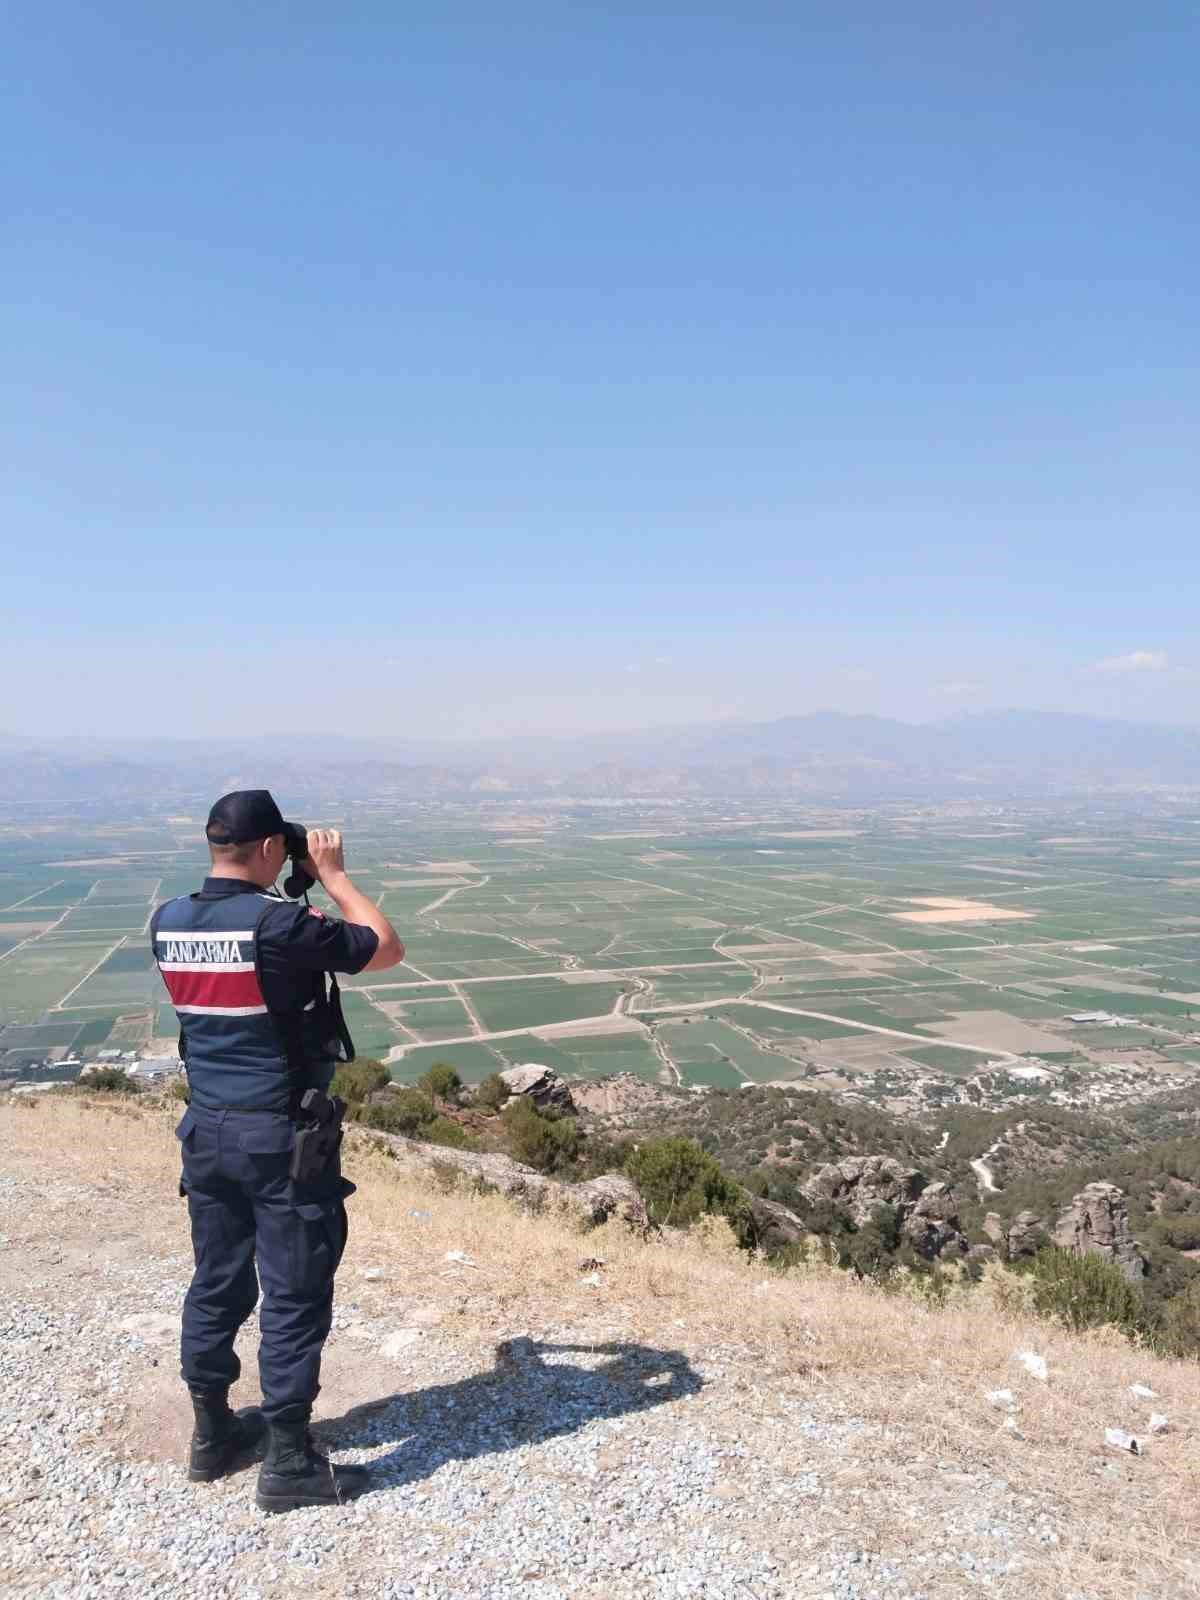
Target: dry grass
pixel 919 1371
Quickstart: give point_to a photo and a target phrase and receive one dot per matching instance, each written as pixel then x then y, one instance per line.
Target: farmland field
pixel 697 943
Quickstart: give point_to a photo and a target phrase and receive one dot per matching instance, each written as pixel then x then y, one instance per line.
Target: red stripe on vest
pixel 213 988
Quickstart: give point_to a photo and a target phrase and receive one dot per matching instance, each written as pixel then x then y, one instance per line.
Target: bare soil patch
pixel 819 833
pixel 423 883
pixel 996 1030
pixel 619 1023
pixel 954 910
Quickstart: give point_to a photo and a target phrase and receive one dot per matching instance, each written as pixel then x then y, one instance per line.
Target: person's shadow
pixel 523 1400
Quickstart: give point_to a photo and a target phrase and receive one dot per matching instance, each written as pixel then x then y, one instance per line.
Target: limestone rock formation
pixel 774 1225
pixel 1097 1220
pixel 1026 1234
pixel 859 1184
pixel 592 1203
pixel 542 1085
pixel 932 1226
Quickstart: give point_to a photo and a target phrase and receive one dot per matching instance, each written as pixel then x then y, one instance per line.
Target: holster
pixel 319 1136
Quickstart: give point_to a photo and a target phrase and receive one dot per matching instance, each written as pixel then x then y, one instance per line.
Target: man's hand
pixel 325 858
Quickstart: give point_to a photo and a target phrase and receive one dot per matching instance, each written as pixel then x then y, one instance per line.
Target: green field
pixel 556 918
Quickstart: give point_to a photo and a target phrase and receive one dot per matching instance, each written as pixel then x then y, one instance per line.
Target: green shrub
pixel 1178 1333
pixel 110 1080
pixel 546 1143
pixel 178 1089
pixel 492 1093
pixel 679 1182
pixel 446 1132
pixel 1179 1231
pixel 601 1154
pixel 407 1112
pixel 356 1081
pixel 441 1082
pixel 870 1250
pixel 1084 1291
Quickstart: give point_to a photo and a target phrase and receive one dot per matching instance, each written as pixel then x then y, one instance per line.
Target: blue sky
pixel 474 369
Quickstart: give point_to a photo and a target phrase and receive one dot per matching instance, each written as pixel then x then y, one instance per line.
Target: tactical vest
pixel 236 1051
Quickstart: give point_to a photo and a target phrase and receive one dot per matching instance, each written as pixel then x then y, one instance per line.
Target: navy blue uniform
pixel 245 971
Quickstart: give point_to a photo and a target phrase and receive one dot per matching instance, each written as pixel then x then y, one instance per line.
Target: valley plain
pixel 906 955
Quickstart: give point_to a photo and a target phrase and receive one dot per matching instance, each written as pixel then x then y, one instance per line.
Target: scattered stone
pixel 1003 1398
pixel 460 1258
pixel 591 1263
pixel 1141 1392
pixel 374 1274
pixel 398 1342
pixel 1159 1423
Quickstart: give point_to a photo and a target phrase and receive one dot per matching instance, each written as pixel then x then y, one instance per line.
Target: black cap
pixel 243 816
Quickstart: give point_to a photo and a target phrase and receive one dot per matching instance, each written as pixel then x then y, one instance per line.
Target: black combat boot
pixel 220 1435
pixel 295 1473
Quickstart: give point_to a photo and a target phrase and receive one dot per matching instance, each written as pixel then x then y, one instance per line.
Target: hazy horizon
pixel 557 735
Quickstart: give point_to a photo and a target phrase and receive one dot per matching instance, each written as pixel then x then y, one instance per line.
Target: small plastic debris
pixel 1005 1399
pixel 1158 1423
pixel 1120 1440
pixel 460 1258
pixel 1140 1392
pixel 373 1274
pixel 1034 1364
pixel 593 1280
pixel 1010 1426
pixel 419 1216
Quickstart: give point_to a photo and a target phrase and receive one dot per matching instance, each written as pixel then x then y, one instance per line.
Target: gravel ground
pixel 554 1463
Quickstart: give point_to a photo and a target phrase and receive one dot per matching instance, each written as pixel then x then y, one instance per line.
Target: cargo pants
pixel 245 1211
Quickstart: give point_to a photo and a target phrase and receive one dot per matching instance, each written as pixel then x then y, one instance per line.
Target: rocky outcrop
pixel 1097 1221
pixel 931 1225
pixel 592 1203
pixel 1025 1236
pixel 775 1227
pixel 859 1185
pixel 540 1084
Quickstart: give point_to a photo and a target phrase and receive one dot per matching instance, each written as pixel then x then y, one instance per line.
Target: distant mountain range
pixel 823 756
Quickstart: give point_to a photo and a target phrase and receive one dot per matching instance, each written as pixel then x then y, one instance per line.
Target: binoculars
pixel 299 881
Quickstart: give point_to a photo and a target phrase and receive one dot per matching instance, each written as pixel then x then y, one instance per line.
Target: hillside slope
pixel 676 1421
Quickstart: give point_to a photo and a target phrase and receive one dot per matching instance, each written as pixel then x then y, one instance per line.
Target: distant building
pixel 156 1067
pixel 108 1055
pixel 1092 1016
